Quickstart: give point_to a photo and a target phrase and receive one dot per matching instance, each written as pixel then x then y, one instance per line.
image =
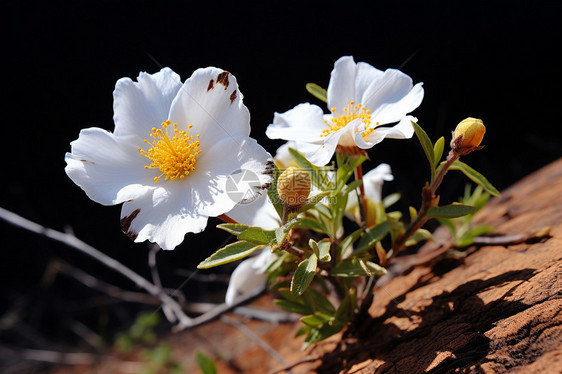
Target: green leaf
pixel 317 334
pixel 356 268
pixel 303 275
pixel 311 224
pixel 318 302
pixel 449 211
pixel 419 235
pixel 233 228
pixel 293 307
pixel 427 147
pixel 316 319
pixel 438 150
pixel 475 176
pixel 257 235
pixel 317 91
pixel 231 252
pixel 273 195
pixel 310 204
pixel 371 236
pixel 312 169
pixel 349 240
pixel 206 364
pixel 468 238
pixel 282 232
pixel 413 213
pixel 324 250
pixel 391 199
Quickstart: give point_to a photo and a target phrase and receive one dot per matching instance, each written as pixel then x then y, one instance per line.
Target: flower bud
pixel 468 135
pixel 293 186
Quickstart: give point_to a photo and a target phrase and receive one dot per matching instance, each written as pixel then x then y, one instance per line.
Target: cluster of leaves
pixel 318 265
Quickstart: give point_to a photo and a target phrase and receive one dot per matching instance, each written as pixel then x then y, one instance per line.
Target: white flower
pixel 361 99
pixel 172 151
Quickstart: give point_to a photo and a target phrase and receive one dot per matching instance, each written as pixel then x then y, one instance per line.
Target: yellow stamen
pixel 174 156
pixel 351 112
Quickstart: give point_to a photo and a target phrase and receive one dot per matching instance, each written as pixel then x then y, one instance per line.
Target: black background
pixel 492 60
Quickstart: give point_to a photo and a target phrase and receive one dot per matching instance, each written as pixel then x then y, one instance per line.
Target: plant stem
pixel 428 200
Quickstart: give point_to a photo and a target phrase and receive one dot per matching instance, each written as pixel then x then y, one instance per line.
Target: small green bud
pixel 293 186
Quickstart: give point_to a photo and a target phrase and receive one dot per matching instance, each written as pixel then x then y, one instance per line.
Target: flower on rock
pixel 361 100
pixel 171 153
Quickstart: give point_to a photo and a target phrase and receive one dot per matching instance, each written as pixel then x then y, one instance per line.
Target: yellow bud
pixel 468 135
pixel 293 186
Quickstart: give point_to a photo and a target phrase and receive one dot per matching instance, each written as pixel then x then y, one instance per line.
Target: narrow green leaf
pixel 257 235
pixel 205 363
pixel 309 167
pixel 233 228
pixel 293 307
pixel 282 232
pixel 312 244
pixel 273 195
pixel 317 91
pixel 420 235
pixel 311 224
pixel 318 334
pixel 231 252
pixel 438 150
pixel 357 268
pixel 324 250
pixel 391 199
pixel 468 238
pixel 318 302
pixel 316 319
pixel 413 213
pixel 371 236
pixel 427 147
pixel 449 211
pixel 303 275
pixel 310 204
pixel 475 176
pixel 349 240
pixel 324 210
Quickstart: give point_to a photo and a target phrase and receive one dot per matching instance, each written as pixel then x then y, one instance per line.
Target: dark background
pixel 492 60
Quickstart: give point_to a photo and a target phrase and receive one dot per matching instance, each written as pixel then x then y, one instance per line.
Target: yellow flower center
pixel 351 112
pixel 174 156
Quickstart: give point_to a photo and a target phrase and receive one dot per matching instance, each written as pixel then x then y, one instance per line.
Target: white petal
pixel 108 168
pixel 342 83
pixel 244 279
pixel 138 107
pixel 393 112
pixel 304 122
pixel 389 87
pixel 374 179
pixel 259 212
pixel 229 171
pixel 402 130
pixel 211 102
pixel 163 217
pixel 320 154
pixel 365 75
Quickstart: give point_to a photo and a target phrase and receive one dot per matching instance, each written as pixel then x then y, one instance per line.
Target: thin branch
pixel 74 242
